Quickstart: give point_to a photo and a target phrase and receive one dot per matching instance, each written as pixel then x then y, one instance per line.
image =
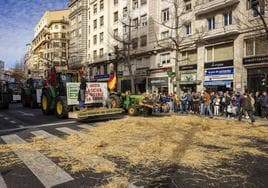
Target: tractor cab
pixel 4 94
pixel 63 78
pixel 31 92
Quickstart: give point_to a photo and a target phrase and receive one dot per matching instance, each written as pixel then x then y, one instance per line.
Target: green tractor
pixel 31 92
pixel 53 98
pixel 133 104
pixel 4 95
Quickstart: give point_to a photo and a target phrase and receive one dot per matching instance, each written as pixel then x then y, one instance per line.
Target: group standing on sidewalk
pixel 227 104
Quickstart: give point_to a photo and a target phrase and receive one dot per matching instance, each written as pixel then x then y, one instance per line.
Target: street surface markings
pixel 2 182
pixel 68 130
pixel 85 126
pixel 93 160
pixel 6 118
pixel 13 122
pixel 43 168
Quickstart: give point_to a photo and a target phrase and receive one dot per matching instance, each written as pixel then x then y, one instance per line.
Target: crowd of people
pixel 228 104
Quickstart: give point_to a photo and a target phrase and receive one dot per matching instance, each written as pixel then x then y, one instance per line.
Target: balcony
pixel 221 31
pixel 207 6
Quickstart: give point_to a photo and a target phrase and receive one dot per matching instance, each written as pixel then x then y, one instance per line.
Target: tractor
pixel 53 99
pixel 60 96
pixel 31 92
pixel 133 104
pixel 4 95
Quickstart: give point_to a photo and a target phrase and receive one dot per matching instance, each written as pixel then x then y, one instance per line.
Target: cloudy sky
pixel 18 19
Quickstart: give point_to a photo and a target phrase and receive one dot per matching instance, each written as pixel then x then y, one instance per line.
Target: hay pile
pixel 188 141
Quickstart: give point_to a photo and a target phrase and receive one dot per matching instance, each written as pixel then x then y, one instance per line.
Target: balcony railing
pixel 221 30
pixel 207 6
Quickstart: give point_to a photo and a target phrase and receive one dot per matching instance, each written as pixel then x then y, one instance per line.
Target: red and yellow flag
pixel 112 82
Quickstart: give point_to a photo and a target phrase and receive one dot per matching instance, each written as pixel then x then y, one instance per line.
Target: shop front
pixel 257 73
pixel 220 79
pixel 141 77
pixel 159 84
pixel 188 78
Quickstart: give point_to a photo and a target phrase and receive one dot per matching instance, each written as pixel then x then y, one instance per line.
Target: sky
pixel 17 21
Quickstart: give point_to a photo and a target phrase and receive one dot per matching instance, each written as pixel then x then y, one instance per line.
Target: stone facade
pixel 50 44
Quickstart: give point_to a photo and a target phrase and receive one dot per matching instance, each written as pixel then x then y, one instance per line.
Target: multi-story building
pixel 2 69
pixel 175 45
pixel 223 45
pixel 78 33
pixel 50 44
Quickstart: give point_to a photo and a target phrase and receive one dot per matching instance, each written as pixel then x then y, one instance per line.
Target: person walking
pixel 184 103
pixel 207 102
pixel 246 108
pixel 216 104
pixel 82 91
pixel 196 102
pixel 264 105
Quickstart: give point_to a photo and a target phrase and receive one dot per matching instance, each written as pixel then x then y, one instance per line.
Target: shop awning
pixel 218 83
pixel 194 82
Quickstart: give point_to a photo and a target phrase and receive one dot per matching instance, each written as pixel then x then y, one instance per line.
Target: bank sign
pixel 219 74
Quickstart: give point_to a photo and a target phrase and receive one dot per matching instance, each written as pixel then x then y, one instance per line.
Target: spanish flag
pixel 112 82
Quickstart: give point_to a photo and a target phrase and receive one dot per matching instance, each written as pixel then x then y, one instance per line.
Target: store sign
pixel 101 77
pixel 219 74
pixel 188 77
pixel 255 60
pixel 158 81
pixel 227 63
pixel 141 72
pixel 95 93
pixel 188 67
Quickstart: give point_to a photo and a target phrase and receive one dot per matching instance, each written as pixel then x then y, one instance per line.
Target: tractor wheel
pixel 46 102
pixel 115 101
pixel 33 103
pixel 61 109
pixel 132 111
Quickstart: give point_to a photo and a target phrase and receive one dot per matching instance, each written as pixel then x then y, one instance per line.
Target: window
pixel 63 35
pixel 89 29
pixel 220 52
pixel 115 16
pixel 143 2
pixel 63 54
pixel 56 44
pixel 63 27
pixel 95 9
pixel 135 22
pixel 165 15
pixel 101 21
pixel 95 24
pixel 211 23
pixel 101 37
pixel 80 31
pixel 165 35
pixel 94 54
pixel 135 4
pixel 105 69
pixel 249 47
pixel 101 5
pixel 188 5
pixel 115 33
pixel 89 15
pixel 143 40
pixel 189 57
pixel 165 58
pixel 88 43
pixel 125 12
pixel 63 45
pixel 101 52
pixel 227 18
pixel 56 26
pixel 144 20
pixel 188 29
pixel 95 39
pixel 56 35
pixel 79 18
pixel 135 43
pixel 115 2
pixel 261 46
